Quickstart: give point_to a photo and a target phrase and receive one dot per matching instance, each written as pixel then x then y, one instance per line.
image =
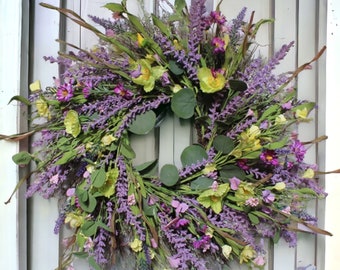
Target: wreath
pixel 243 180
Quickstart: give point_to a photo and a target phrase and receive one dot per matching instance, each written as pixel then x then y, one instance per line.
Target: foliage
pixel 242 181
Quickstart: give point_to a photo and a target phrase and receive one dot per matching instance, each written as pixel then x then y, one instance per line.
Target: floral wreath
pixel 242 181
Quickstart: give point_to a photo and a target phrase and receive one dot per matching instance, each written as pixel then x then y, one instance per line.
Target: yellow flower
pixel 136 245
pixel 42 108
pixel 247 254
pixel 71 122
pixel 210 82
pixel 280 120
pixel 209 168
pixel 302 113
pixel 146 75
pixel 176 88
pixel 226 250
pixel 74 220
pixel 280 186
pixel 213 197
pixel 244 192
pixel 309 173
pixel 140 40
pixel 249 141
pixel 108 139
pixel 35 86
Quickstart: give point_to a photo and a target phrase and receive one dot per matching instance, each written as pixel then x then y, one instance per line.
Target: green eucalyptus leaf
pixel 201 183
pixel 22 158
pixel 149 210
pixel 98 177
pixel 174 68
pixel 143 123
pixel 230 171
pixel 223 144
pixel 169 175
pixel 193 154
pixel 238 85
pixel 183 103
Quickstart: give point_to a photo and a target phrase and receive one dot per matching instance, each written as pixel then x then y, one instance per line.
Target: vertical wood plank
pixel 43 213
pixel 285 31
pixel 11 13
pixel 306 85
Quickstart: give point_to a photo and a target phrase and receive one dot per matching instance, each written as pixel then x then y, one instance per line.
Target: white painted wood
pixel 43 248
pixel 333 130
pixel 13 54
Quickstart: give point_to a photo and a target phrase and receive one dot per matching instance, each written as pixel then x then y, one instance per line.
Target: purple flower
pixel 65 92
pixel 202 243
pixel 269 157
pixel 182 222
pixel 234 183
pixel 218 44
pixel 217 17
pixel 268 196
pixel 298 150
pixel 87 88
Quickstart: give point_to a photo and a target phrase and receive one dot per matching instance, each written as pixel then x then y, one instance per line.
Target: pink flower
pixel 174 262
pixel 65 92
pixel 131 199
pixel 253 202
pixel 217 17
pixel 180 207
pixel 54 179
pixel 120 90
pixel 218 44
pixel 268 196
pixel 259 261
pixel 70 192
pixel 234 183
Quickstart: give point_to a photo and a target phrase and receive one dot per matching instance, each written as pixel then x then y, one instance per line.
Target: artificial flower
pixel 213 198
pixel 226 250
pixel 247 254
pixel 210 81
pixel 136 245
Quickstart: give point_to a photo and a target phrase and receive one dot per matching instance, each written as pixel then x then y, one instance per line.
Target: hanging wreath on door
pixel 244 180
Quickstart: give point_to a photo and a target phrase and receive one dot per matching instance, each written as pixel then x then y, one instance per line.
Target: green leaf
pixel 146 166
pixel 22 158
pixel 81 255
pixel 98 177
pixel 143 123
pixel 174 68
pixel 94 264
pixel 169 175
pixel 223 144
pixel 66 157
pixel 179 5
pixel 183 103
pixel 252 155
pixel 127 151
pixel 277 237
pixel 136 22
pixel 149 210
pixel 230 171
pixel 20 99
pixel 89 228
pixel 276 145
pixel 201 183
pixel 274 109
pixel 253 219
pixel 238 85
pixel 86 200
pixel 114 7
pixel 193 154
pixel 161 26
